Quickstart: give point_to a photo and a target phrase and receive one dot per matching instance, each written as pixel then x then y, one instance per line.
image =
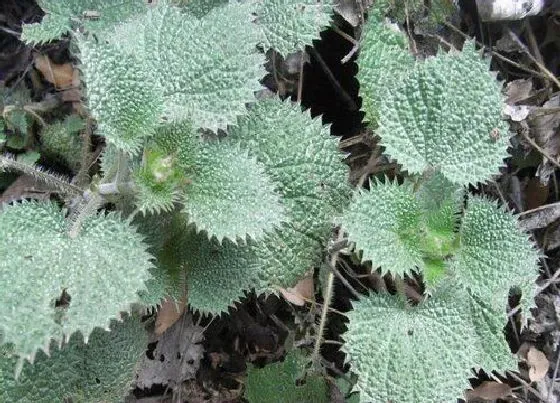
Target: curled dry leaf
pixel 169 312
pixel 488 390
pixel 60 75
pixel 303 291
pixel 538 364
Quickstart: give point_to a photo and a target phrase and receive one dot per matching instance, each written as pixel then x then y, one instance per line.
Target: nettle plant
pixel 441 120
pixel 215 193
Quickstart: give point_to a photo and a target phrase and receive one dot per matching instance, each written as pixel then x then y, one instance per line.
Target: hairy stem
pixel 327 298
pixel 58 182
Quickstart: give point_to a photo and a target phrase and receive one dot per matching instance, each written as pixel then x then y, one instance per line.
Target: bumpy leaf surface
pixel 277 382
pixel 494 255
pixel 200 8
pixel 101 370
pixel 217 275
pixel 302 159
pixel 121 96
pixel 231 196
pixel 207 68
pixel 384 60
pixel 443 115
pixel 107 262
pixel 95 15
pixel 62 139
pixel 305 166
pixel 441 202
pixel 423 353
pixel 289 25
pixel 385 224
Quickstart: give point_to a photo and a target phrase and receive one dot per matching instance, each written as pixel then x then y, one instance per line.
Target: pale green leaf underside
pixel 442 116
pixel 384 60
pixel 418 354
pixel 101 370
pixel 206 69
pixel 277 382
pixel 494 256
pixel 384 224
pixel 121 96
pixel 107 262
pixel 95 15
pixel 289 25
pixel 231 196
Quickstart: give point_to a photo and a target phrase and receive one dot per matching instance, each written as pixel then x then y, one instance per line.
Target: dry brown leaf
pixel 61 75
pixel 489 390
pixel 302 292
pixel 518 90
pixel 168 313
pixel 538 364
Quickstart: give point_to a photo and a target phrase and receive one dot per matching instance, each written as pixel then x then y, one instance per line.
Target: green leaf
pixel 441 201
pixel 206 73
pixel 94 15
pixel 101 370
pixel 200 8
pixel 305 166
pixel 231 195
pixel 52 27
pixel 166 234
pixel 442 116
pixel 62 140
pixel 383 62
pixel 385 224
pixel 289 25
pixel 217 274
pixel 302 159
pixel 494 255
pixel 489 326
pixel 277 382
pixel 121 96
pixel 392 346
pixel 107 262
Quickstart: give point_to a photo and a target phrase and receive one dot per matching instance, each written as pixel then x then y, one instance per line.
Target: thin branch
pixel 327 298
pixel 58 182
pixel 553 380
pixel 496 54
pixel 540 208
pixel 539 149
pixel 336 85
pixel 541 66
pixel 349 38
pixel 300 82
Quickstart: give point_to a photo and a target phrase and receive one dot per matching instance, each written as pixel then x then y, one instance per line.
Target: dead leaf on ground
pixel 538 364
pixel 302 292
pixel 25 187
pixel 545 128
pixel 488 390
pixel 175 356
pixel 518 90
pixel 168 313
pixel 60 75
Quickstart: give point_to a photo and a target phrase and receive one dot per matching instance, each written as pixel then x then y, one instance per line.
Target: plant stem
pixel 58 182
pixel 327 298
